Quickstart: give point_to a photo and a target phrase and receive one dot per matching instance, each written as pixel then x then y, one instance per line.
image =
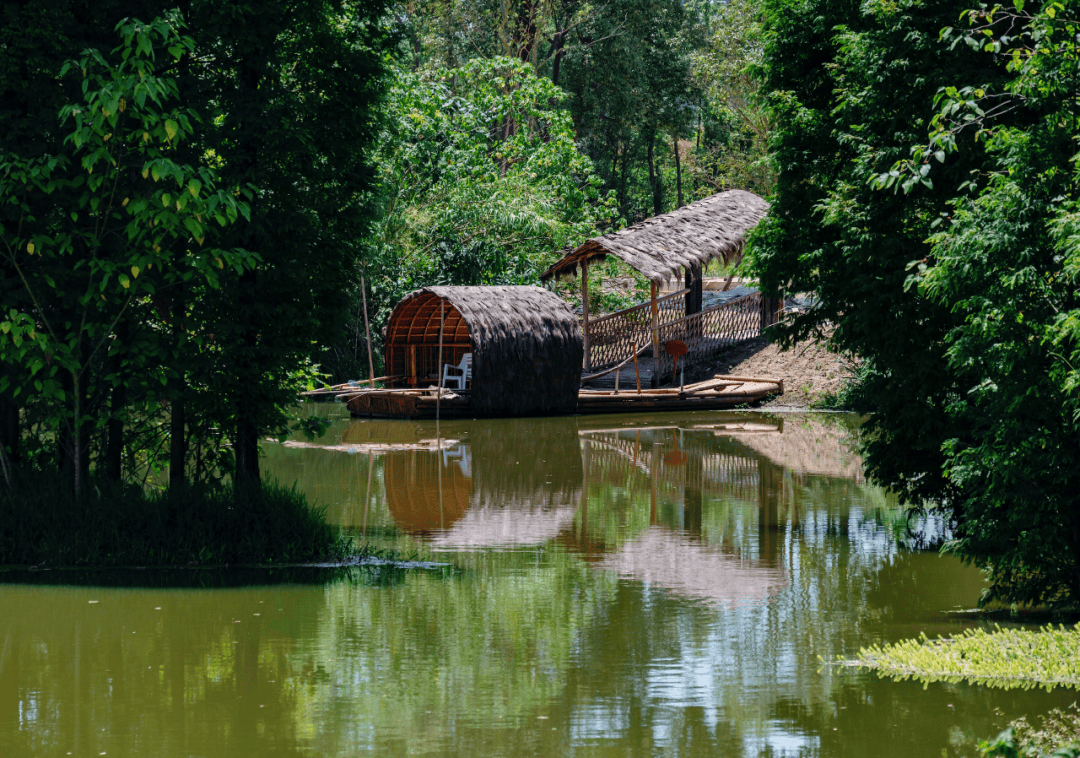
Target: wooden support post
pixel 694 298
pixel 637 371
pixel 655 288
pixel 367 330
pixel 585 312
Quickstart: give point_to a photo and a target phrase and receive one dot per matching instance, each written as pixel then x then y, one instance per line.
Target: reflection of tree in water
pixel 189 672
pixel 644 666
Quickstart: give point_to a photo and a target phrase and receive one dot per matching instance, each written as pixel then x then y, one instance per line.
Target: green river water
pixel 668 585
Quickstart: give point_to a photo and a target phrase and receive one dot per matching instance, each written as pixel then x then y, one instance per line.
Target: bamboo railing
pixel 612 337
pixel 615 459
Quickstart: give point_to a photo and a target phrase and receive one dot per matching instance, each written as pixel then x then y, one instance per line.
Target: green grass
pixel 42 524
pixel 1005 658
pixel 850 396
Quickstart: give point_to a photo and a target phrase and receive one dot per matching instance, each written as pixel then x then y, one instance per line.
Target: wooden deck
pixel 711 394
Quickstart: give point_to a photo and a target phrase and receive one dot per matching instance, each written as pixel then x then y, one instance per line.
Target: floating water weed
pixel 1006 658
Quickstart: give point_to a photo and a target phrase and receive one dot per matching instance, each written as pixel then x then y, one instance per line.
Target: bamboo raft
pixel 711 394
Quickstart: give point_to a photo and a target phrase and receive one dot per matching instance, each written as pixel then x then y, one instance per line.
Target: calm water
pixel 623 586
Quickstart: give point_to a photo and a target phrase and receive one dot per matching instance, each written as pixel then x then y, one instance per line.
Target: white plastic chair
pixel 465 367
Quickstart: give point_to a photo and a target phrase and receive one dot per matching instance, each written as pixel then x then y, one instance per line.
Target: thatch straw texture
pixel 659 247
pixel 526 344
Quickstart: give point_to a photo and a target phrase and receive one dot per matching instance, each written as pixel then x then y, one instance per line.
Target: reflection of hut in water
pixel 524 487
pixel 810 447
pixel 525 344
pixel 663 558
pixel 680 466
pixel 422 493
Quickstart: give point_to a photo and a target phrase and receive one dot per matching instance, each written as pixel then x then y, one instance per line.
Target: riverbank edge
pixel 111 525
pixel 360 560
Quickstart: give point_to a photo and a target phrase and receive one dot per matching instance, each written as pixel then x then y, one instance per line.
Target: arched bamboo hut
pixel 525 342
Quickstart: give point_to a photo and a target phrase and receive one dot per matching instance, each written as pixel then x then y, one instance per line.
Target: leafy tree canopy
pixel 927 194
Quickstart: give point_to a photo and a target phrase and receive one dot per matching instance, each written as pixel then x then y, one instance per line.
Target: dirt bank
pixel 809 371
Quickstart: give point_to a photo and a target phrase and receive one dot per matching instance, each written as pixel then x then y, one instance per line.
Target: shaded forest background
pixel 197 200
pixel 514 129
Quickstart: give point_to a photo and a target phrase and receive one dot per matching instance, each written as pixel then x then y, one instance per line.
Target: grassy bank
pixel 42 524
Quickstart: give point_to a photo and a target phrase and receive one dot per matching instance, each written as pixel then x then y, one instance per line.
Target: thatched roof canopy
pixel 660 246
pixel 525 341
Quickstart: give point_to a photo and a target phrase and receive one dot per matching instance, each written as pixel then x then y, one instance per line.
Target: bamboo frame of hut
pixel 525 342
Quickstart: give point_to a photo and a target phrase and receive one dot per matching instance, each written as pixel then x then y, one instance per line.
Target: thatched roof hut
pixel 525 342
pixel 659 247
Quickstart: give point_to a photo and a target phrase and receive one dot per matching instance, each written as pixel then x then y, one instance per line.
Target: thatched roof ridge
pixel 659 247
pixel 526 344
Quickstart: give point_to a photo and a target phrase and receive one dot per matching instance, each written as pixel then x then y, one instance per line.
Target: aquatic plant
pixel 1058 736
pixel 1005 658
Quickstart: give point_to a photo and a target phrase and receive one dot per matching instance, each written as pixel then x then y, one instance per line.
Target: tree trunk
pixel 693 283
pixel 114 446
pixel 246 444
pixel 678 171
pixel 623 199
pixel 178 419
pixel 247 452
pixel 71 440
pixel 114 429
pixel 654 180
pixel 9 429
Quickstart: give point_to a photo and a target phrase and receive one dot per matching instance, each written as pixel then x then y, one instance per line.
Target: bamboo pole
pixel 367 496
pixel 585 311
pixel 438 365
pixel 655 334
pixel 367 330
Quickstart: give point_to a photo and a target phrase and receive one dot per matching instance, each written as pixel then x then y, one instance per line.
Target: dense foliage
pixel 199 205
pixel 927 192
pixel 183 202
pixel 118 524
pixel 518 128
